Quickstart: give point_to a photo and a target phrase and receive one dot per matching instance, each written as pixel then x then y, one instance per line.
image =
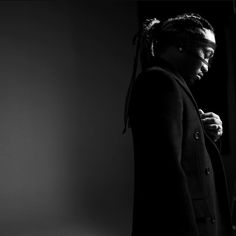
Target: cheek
pixel 192 66
pixel 192 63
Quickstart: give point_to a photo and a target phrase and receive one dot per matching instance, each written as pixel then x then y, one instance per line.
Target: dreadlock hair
pixel 155 36
pixel 181 30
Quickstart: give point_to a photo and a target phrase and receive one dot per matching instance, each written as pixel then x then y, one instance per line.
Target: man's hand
pixel 212 124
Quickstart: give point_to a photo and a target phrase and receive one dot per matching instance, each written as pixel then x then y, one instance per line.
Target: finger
pixel 201 112
pixel 219 133
pixel 212 127
pixel 216 138
pixel 215 133
pixel 212 120
pixel 214 130
pixel 210 114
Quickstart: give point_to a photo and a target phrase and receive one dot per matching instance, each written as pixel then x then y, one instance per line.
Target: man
pixel 180 186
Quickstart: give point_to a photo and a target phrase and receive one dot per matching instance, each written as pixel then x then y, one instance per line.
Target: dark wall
pixel 65 168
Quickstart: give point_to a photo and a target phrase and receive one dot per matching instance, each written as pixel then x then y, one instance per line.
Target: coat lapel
pixel 183 84
pixel 167 68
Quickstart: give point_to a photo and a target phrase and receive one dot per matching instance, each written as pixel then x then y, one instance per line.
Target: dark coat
pixel 180 186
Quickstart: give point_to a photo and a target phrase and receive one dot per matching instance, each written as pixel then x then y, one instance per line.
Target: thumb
pixel 201 112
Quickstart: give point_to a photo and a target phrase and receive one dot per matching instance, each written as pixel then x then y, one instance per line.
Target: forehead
pixel 209 36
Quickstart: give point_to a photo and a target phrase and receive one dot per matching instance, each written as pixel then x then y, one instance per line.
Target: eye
pixel 208 54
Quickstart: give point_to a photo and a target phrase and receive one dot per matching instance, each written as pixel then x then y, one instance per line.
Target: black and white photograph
pixel 118 118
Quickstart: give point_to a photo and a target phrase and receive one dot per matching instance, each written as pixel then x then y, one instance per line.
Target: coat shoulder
pixel 157 79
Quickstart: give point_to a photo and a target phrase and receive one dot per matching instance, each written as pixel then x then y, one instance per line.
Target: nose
pixel 205 67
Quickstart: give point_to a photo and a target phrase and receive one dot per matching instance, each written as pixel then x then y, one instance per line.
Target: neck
pixel 170 60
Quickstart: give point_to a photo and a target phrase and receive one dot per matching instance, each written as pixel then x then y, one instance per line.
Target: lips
pixel 199 76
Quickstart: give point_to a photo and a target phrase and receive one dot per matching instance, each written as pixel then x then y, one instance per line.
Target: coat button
pixel 196 135
pixel 213 220
pixel 207 171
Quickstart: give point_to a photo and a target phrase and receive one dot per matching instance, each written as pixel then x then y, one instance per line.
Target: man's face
pixel 196 58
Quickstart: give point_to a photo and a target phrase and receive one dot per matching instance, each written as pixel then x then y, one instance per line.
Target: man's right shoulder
pixel 155 73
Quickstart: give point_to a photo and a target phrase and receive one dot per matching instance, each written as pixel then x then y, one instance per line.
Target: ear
pixel 180 47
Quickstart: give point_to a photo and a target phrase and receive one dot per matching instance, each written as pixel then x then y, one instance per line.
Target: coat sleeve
pixel 162 201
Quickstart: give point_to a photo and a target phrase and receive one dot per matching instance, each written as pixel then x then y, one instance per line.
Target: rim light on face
pixel 206 47
pixel 195 55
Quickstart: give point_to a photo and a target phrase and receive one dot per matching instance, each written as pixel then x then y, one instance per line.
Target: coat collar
pixel 177 76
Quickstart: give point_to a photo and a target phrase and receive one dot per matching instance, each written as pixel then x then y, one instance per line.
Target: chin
pixel 191 80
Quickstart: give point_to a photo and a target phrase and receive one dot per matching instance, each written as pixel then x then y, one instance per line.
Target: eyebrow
pixel 207 43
